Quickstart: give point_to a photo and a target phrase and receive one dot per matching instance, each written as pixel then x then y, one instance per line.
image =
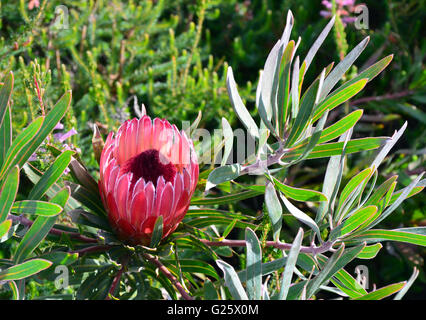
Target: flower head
pixel 344 8
pixel 147 169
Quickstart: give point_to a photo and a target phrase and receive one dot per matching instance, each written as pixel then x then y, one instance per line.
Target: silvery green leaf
pixel 232 281
pixel 301 216
pixel 332 179
pixel 269 71
pixel 228 136
pixel 388 146
pixel 318 42
pixel 408 285
pixel 337 73
pixel 400 199
pixel 223 174
pixel 253 266
pixel 274 210
pixel 290 265
pixel 295 88
pixel 239 106
pixel 287 30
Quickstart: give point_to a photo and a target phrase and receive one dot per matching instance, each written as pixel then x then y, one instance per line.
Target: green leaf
pixel 52 174
pixel 284 85
pixel 325 273
pixel 50 121
pixel 157 233
pixel 253 266
pixel 381 191
pixel 40 208
pixel 290 265
pixel 336 130
pixel 338 98
pixel 351 190
pixel 232 281
pixel 239 106
pixel 232 198
pixel 358 218
pixel 370 252
pixel 196 266
pixel 301 216
pixel 40 228
pixel 337 73
pixel 5 135
pixel 8 192
pixel 335 148
pixel 299 194
pixel 408 285
pixel 225 221
pixel 275 212
pixel 5 95
pixel 228 136
pixel 306 106
pixel 4 227
pixel 383 292
pixel 400 199
pixel 379 235
pixel 17 151
pixel 223 174
pixel 86 197
pixel 24 270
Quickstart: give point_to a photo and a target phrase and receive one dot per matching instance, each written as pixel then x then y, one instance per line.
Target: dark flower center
pixel 149 166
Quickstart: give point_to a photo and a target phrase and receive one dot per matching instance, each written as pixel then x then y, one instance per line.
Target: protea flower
pixel 148 169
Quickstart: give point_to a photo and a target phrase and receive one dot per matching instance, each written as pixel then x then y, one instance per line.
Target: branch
pixel 100 248
pixel 117 278
pixel 276 244
pixel 168 274
pixel 388 96
pixel 73 235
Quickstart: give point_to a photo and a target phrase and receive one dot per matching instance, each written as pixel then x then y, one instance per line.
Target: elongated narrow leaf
pixel 369 73
pixel 298 193
pixel 408 285
pixel 337 73
pixel 5 135
pixel 318 42
pixel 352 188
pixel 197 266
pixel 5 94
pixel 239 106
pixel 24 270
pixel 295 89
pixel 284 85
pixel 383 292
pixel 325 273
pixel 253 266
pixel 8 192
pixel 290 265
pixel 338 98
pixel 223 174
pixel 304 113
pixel 301 216
pixel 332 179
pixel 4 227
pixel 398 193
pixel 336 130
pixel 228 136
pixel 335 148
pixel 40 228
pixel 49 123
pixel 52 174
pixel 157 233
pixel 274 210
pixel 232 198
pixel 16 153
pixel 381 191
pixel 379 235
pixel 358 218
pixel 400 199
pixel 40 208
pixel 232 281
pixel 370 252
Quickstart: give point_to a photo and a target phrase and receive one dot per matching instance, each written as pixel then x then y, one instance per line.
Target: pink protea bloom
pixel 148 169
